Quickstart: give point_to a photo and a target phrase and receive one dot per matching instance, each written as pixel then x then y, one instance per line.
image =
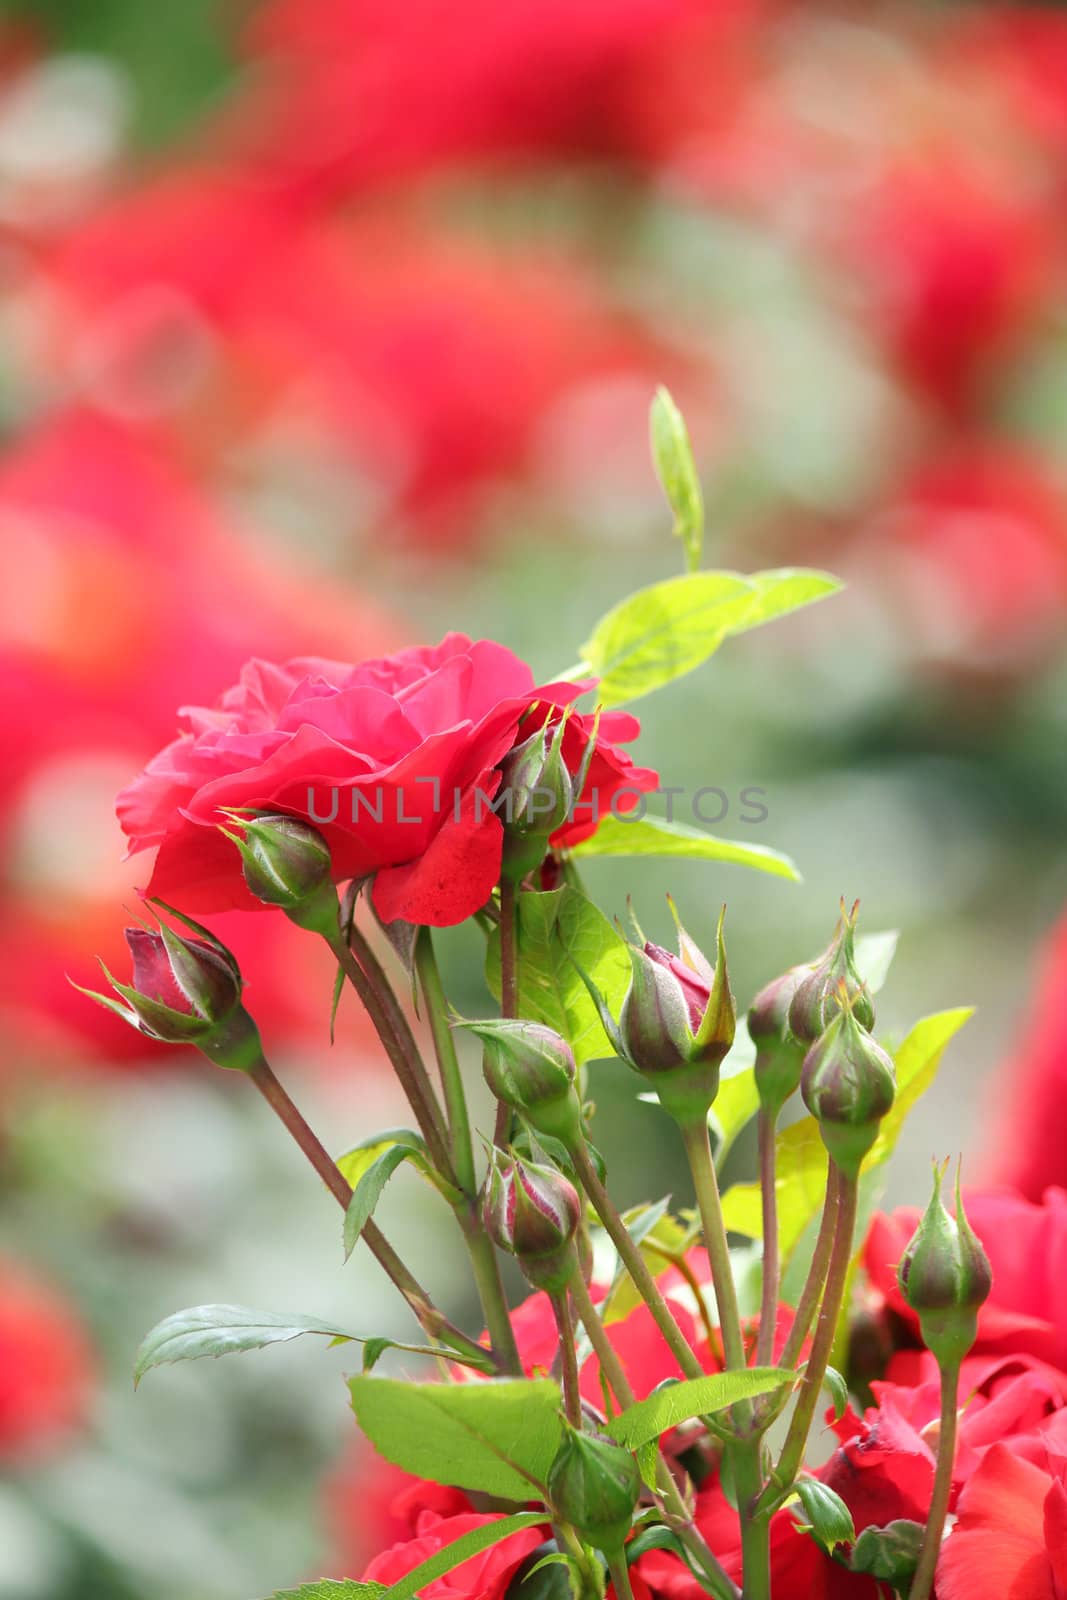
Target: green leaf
pixel 874 957
pixel 556 930
pixel 785 589
pixel 329 1589
pixel 829 1519
pixel 801 1154
pixel 672 455
pixel 838 1391
pixel 224 1330
pixel 889 1553
pixel 656 836
pixel 662 632
pixel 497 1437
pixel 696 1397
pixel 460 1550
pixel 368 1169
pixel 229 1330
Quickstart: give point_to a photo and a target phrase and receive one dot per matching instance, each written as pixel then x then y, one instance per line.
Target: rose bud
pixel 815 1001
pixel 945 1276
pixel 677 1023
pixel 848 1084
pixel 533 1212
pixel 185 991
pixel 540 794
pixel 531 1068
pixel 286 863
pixel 594 1485
pixel 779 1053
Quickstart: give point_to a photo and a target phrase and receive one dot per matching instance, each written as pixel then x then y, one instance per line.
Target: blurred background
pixel 329 325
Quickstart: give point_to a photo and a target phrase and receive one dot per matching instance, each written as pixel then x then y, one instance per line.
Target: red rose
pixel 1029 1152
pixel 482 1577
pixel 1010 1536
pixel 395 760
pixel 1026 1314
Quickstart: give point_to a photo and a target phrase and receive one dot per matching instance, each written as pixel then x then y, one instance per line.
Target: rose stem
pixel 433 1322
pixel 811 1294
pixel 768 1314
pixel 612 1369
pixel 509 986
pixel 620 1577
pixel 400 1047
pixel 825 1329
pixel 745 1453
pixel 923 1580
pixel 572 1399
pixel 484 1260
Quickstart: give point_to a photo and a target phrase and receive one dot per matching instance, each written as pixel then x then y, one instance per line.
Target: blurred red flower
pixel 47 1368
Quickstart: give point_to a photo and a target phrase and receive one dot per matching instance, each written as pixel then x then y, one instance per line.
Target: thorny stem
pixel 392 1028
pixel 484 1260
pixel 634 1262
pixel 922 1583
pixel 433 1322
pixel 768 1315
pixel 674 1506
pixel 825 1329
pixel 572 1399
pixel 811 1294
pixel 698 1150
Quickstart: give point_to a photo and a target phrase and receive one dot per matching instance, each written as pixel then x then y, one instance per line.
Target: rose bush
pixel 394 760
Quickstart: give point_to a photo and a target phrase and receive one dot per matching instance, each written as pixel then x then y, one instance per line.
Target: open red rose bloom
pixel 395 761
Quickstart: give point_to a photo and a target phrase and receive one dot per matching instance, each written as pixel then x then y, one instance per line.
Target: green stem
pixel 433 1323
pixel 811 1294
pixel 702 1167
pixel 634 1262
pixel 509 987
pixel 620 1577
pixel 459 1127
pixel 922 1583
pixel 484 1260
pixel 768 1314
pixel 674 1506
pixel 746 1460
pixel 392 1028
pixel 825 1329
pixel 572 1399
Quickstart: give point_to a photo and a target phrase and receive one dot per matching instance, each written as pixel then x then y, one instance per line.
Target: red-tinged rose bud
pixel 779 1053
pixel 677 1023
pixel 185 991
pixel 538 793
pixel 533 1212
pixel 848 1084
pixel 286 863
pixel 945 1277
pixel 532 1069
pixel 815 1002
pixel 594 1485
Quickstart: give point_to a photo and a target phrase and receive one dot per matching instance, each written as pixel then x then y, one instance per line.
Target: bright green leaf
pixel 497 1437
pixel 672 455
pixel 368 1169
pixel 460 1550
pixel 696 1397
pixel 917 1062
pixel 552 929
pixel 838 1391
pixel 655 836
pixel 662 632
pixel 829 1519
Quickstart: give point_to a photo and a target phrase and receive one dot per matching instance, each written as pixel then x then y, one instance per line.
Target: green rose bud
pixel 848 1084
pixel 945 1276
pixel 594 1484
pixel 815 1001
pixel 779 1053
pixel 531 1068
pixel 539 794
pixel 286 863
pixel 533 1212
